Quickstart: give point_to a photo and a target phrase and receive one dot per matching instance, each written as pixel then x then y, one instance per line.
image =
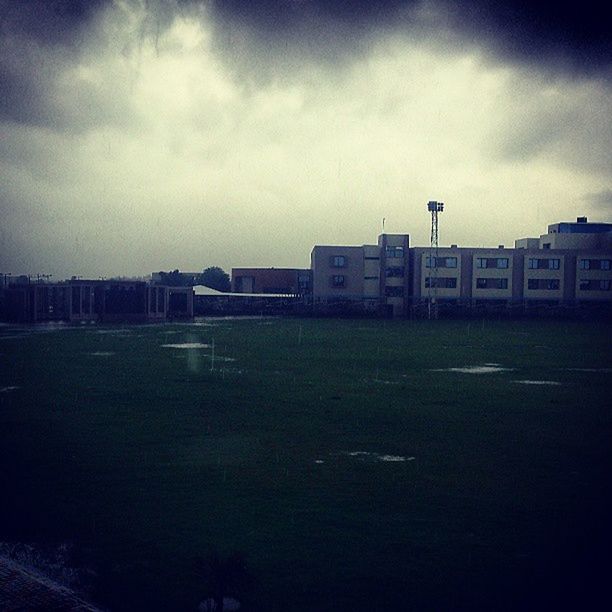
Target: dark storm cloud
pixel 48 21
pixel 266 39
pixel 38 40
pixel 570 36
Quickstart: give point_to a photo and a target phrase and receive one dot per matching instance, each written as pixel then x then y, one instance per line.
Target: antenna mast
pixel 432 288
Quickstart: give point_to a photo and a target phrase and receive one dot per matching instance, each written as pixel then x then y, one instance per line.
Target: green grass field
pixel 469 490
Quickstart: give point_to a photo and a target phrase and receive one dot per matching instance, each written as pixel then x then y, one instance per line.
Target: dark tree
pixel 215 278
pixel 172 279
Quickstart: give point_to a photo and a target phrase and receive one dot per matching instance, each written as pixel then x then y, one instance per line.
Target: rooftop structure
pixel 580 234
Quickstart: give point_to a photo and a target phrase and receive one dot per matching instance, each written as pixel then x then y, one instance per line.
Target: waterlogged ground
pixel 350 465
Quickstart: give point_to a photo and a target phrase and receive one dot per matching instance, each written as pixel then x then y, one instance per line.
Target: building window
pixel 373 258
pixel 394 251
pixel 491 283
pixel 441 282
pixel 370 278
pixel 394 291
pixel 592 284
pixel 338 280
pixel 441 262
pixel 543 264
pixel 338 261
pixel 492 262
pixel 594 264
pixel 551 284
pixel 394 272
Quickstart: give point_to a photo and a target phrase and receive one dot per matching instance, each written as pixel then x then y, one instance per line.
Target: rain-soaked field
pixel 351 465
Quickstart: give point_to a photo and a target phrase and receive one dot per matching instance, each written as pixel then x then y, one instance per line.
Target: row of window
pixel 394 272
pixel 491 283
pixel 543 264
pixel 551 284
pixel 492 262
pixel 392 252
pixel 440 262
pixel 534 263
pixel 442 282
pixel 394 291
pixel 600 284
pixel 594 264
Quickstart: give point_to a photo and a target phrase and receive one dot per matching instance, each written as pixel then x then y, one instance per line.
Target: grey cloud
pixel 42 40
pixel 564 37
pixel 600 200
pixel 40 83
pixel 49 22
pixel 565 121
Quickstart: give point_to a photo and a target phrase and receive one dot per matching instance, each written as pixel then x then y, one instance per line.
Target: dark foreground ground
pixel 313 464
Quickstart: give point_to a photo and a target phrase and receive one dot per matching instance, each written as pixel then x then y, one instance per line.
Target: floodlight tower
pixel 432 291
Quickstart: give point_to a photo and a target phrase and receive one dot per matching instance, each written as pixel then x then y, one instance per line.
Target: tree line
pixel 213 277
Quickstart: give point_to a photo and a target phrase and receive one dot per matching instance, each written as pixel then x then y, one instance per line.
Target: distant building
pixel 95 300
pixel 567 267
pixel 373 278
pixel 287 281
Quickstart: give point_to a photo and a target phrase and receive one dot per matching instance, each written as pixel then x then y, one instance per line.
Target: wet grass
pixel 147 457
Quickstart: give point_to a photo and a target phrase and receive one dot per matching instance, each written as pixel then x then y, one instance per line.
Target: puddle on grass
pixel 7 389
pixel 101 353
pixel 112 331
pixel 395 458
pixel 537 382
pixel 319 461
pixel 378 457
pixel 187 345
pixel 487 368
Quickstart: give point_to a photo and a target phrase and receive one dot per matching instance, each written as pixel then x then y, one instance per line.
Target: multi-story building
pixel 285 281
pixel 369 277
pixel 568 266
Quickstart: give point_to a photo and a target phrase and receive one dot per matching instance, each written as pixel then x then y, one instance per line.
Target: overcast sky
pixel 139 135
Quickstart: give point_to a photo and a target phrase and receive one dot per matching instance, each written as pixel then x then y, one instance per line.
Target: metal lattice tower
pixel 432 291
